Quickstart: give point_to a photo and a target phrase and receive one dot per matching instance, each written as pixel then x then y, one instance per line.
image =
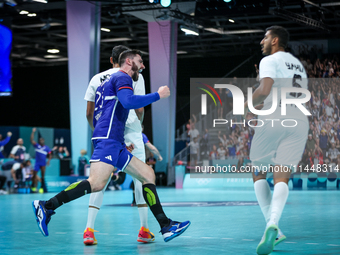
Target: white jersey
pixel 286 71
pixel 132 123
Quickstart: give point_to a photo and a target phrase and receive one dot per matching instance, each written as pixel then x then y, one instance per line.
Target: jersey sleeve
pixel 124 82
pixel 145 139
pixel 14 150
pixel 35 145
pixel 48 150
pixel 268 67
pixel 90 94
pixel 5 141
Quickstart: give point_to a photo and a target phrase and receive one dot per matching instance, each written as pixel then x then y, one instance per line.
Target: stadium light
pixel 165 3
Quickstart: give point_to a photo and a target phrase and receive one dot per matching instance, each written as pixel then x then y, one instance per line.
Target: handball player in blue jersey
pixel 42 152
pixel 114 99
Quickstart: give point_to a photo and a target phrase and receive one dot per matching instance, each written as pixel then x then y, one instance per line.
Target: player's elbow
pixel 127 104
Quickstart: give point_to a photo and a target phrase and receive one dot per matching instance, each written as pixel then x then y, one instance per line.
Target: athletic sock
pixel 96 201
pixel 72 192
pixel 143 216
pixel 151 198
pixel 279 200
pixel 263 195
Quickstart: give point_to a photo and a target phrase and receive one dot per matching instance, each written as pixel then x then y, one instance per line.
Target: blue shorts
pixel 38 165
pixel 111 152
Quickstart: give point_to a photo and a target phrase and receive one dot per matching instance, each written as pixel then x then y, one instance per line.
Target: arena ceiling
pixel 225 29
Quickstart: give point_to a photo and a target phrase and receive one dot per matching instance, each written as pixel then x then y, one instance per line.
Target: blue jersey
pixel 145 138
pixel 109 114
pixel 41 153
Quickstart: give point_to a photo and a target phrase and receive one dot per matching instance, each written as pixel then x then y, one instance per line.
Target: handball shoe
pixel 89 238
pixel 42 215
pixel 279 238
pixel 266 246
pixel 145 236
pixel 174 229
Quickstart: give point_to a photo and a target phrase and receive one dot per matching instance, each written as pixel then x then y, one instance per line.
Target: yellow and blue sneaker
pixel 145 236
pixel 89 238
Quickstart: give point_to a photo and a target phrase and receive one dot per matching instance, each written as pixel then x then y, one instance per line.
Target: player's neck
pixel 274 50
pixel 126 70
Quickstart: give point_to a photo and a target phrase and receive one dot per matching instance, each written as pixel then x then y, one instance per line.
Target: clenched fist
pixel 164 92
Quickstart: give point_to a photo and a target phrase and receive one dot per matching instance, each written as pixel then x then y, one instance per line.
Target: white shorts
pixel 137 140
pixel 279 145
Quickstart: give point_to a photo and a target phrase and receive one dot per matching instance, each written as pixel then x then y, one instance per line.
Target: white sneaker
pixel 266 246
pixel 3 192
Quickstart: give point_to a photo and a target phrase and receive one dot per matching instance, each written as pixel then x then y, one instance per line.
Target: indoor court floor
pixel 223 221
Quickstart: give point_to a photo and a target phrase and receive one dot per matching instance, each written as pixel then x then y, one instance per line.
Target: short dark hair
pixel 116 51
pixel 128 54
pixel 281 33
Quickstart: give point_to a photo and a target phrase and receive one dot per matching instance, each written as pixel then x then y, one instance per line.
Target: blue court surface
pixel 223 221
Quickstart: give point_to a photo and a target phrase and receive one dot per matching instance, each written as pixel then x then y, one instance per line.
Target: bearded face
pixel 266 45
pixel 135 71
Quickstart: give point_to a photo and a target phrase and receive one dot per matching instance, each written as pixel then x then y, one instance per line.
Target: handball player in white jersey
pixel 132 135
pixel 273 144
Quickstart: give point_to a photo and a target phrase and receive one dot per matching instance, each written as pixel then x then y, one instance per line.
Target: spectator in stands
pixel 310 145
pixel 18 151
pixel 19 173
pixel 204 145
pixel 194 146
pixel 333 153
pixel 222 139
pixel 60 152
pixel 213 154
pixel 231 148
pixel 3 142
pixel 82 161
pixel 221 152
pixel 309 161
pixel 193 132
pixel 318 155
pixel 323 142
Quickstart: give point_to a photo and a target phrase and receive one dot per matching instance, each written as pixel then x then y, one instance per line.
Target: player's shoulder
pixel 104 75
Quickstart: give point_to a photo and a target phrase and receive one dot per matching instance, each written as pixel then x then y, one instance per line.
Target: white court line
pixel 311 243
pixel 20 232
pixel 37 232
pixel 123 234
pixel 289 242
pixel 227 238
pixel 2 231
pixel 248 240
pixel 333 245
pixel 207 237
pixel 61 233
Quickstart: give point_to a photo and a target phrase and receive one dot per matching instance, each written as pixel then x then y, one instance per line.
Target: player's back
pixel 109 114
pixel 286 72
